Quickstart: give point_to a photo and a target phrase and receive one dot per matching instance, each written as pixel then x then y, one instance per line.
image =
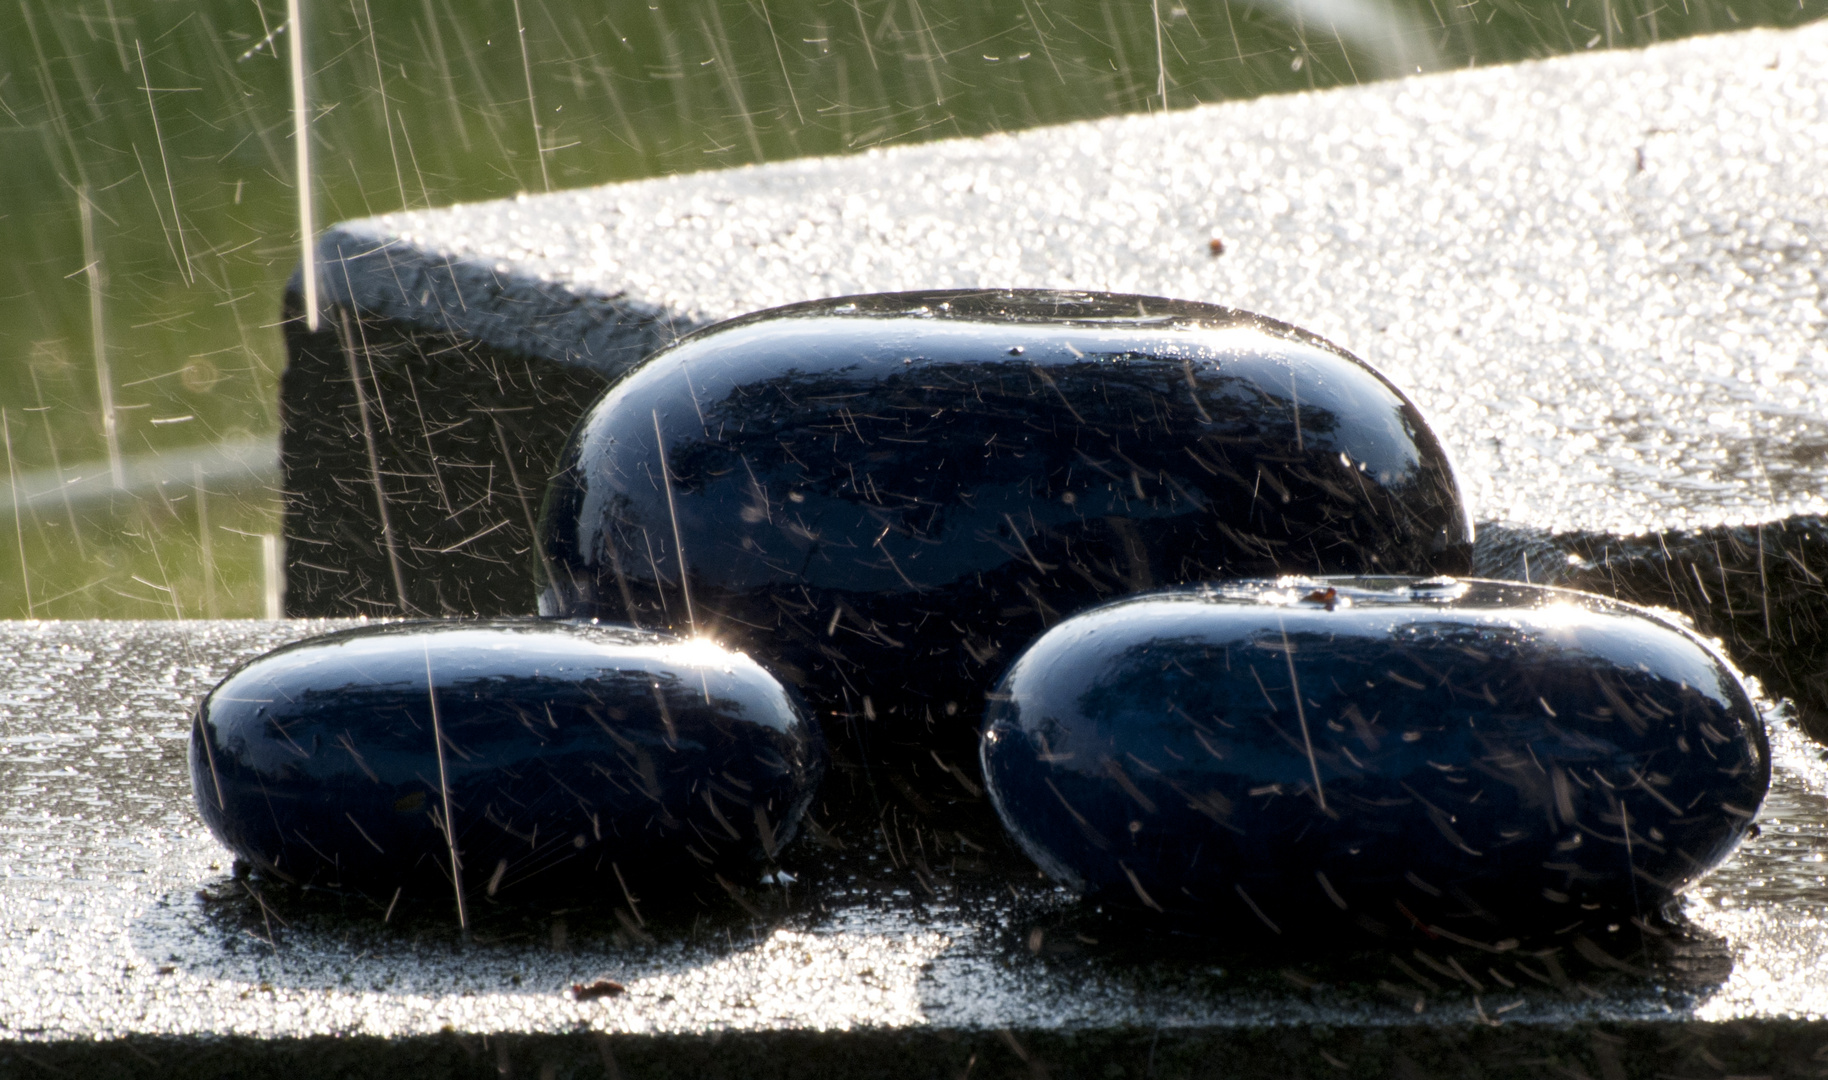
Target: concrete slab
pixel 1601 276
pixel 127 945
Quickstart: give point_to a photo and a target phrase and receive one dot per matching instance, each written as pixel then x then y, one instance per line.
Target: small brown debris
pixel 1216 245
pixel 600 989
pixel 1328 596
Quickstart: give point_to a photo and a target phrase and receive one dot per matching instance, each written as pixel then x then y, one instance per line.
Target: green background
pixel 175 118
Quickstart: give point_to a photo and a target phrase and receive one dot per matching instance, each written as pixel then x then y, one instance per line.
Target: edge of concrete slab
pixel 1611 1050
pixel 491 304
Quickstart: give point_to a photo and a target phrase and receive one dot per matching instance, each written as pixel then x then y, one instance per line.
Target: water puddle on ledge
pixel 1769 901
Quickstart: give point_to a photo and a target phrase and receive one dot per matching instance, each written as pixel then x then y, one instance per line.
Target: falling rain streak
pixel 447 823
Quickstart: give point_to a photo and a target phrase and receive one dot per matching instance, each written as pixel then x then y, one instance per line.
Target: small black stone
pixel 886 497
pixel 1488 756
pixel 571 753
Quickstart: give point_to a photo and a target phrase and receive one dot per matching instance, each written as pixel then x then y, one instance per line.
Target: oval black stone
pixel 570 753
pixel 887 497
pixel 1484 755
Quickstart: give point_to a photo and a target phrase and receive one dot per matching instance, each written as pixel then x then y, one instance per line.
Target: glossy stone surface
pixel 571 753
pixel 887 497
pixel 1487 756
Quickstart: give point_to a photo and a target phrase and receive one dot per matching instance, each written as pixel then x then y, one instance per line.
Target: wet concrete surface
pixel 127 942
pixel 1601 277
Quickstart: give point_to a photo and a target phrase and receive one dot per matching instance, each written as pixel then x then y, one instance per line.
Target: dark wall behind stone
pixel 413 465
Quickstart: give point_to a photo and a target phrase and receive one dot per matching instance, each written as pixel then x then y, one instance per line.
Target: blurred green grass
pixel 173 121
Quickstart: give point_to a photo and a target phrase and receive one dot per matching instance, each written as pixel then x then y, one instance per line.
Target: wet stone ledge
pixel 129 945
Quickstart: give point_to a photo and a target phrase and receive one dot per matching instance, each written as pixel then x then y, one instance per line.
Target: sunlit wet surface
pixel 1600 278
pixel 118 914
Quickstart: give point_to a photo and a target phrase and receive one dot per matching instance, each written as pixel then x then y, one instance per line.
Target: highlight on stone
pixel 887 497
pixel 1477 758
pixel 504 757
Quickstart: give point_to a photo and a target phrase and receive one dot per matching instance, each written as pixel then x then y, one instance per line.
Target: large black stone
pixel 887 497
pixel 569 758
pixel 1489 756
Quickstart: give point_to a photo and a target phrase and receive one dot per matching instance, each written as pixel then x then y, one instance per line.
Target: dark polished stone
pixel 887 497
pixel 1487 756
pixel 569 758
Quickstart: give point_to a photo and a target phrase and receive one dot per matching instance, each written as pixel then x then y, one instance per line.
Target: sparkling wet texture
pixel 1495 758
pixel 886 498
pixel 118 916
pixel 570 759
pixel 1600 277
